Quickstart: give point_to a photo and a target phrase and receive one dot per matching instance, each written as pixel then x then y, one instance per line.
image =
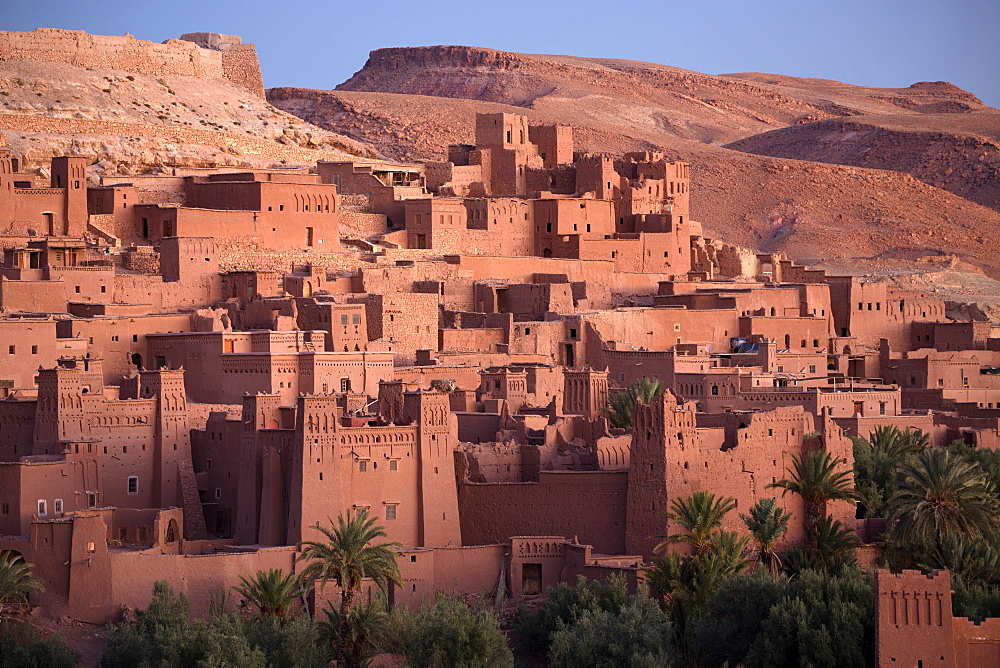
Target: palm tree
pixel 941 495
pixel 346 557
pixel 814 477
pixel 834 550
pixel 976 561
pixel 729 551
pixel 768 523
pixel 273 592
pixel 684 584
pixel 898 444
pixel 366 628
pixel 835 545
pixel 16 580
pixel 621 405
pixel 700 515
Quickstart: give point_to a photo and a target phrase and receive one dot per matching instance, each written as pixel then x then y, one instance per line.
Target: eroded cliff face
pixel 647 96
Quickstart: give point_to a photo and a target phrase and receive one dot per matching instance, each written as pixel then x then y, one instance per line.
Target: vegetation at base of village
pixel 273 626
pixel 21 642
pixel 713 596
pixel 24 644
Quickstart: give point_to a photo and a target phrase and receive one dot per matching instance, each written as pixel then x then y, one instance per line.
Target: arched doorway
pixel 171 536
pixel 137 361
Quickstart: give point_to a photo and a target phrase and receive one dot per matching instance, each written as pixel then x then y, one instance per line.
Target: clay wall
pixel 470 340
pixel 492 513
pixel 345 324
pixel 36 489
pixel 32 296
pixel 590 218
pixel 174 57
pixel 24 346
pixel 401 323
pixel 929 369
pixel 426 571
pixel 913 619
pixel 240 65
pixel 117 340
pixel 437 223
pixel 673 456
pixel 872 311
pixel 790 333
pixel 465 372
pixel 270 367
pixel 486 461
pixel 554 143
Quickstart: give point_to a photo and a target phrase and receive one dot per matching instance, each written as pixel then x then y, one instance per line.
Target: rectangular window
pixel 43 508
pixel 362 465
pixel 356 318
pixel 133 484
pixel 345 384
pixel 6 509
pixel 11 350
pixel 57 506
pixel 218 492
pixel 91 500
pixel 812 368
pixel 343 319
pixel 390 511
pixel 393 465
pixel 34 350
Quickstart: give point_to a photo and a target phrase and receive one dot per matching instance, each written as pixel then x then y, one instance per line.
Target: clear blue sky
pixel 318 44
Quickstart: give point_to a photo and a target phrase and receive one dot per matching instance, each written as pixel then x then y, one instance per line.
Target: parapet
pixel 212 40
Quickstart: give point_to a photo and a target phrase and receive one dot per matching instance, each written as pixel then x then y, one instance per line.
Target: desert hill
pixel 957 152
pixel 134 106
pixel 631 94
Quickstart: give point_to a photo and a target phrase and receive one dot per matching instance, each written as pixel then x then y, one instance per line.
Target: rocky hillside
pixel 640 96
pixel 131 122
pixel 957 152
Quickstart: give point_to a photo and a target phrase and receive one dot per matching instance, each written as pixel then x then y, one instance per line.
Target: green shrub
pixel 449 633
pixel 23 644
pixel 823 620
pixel 734 616
pixel 636 635
pixel 161 635
pixel 533 629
